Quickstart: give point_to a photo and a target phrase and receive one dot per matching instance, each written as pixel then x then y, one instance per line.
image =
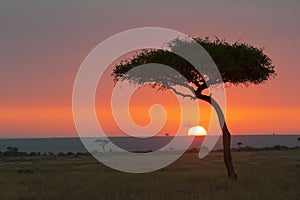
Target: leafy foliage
pixel 238 63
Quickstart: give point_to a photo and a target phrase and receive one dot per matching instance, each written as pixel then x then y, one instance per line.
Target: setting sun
pixel 197 131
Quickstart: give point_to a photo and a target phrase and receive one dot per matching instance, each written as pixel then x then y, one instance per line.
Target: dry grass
pixel 262 175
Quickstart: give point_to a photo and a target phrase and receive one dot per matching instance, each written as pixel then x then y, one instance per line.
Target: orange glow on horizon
pixel 58 122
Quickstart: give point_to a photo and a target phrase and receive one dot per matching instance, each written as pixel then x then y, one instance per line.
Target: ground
pixel 262 175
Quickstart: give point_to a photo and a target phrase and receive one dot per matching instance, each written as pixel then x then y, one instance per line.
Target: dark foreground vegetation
pixel 263 174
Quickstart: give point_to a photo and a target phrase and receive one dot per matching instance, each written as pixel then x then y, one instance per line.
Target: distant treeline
pixel 14 152
pixel 275 147
pixel 248 148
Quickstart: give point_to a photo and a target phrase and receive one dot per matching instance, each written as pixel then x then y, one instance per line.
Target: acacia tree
pixel 238 63
pixel 102 143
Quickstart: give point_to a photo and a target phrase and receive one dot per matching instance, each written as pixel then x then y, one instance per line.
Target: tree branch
pixel 216 106
pixel 181 94
pixel 201 88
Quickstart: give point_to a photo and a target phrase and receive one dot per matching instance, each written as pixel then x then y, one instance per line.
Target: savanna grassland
pixel 262 175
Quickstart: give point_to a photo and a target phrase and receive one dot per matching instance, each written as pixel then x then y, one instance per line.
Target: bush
pixel 61 154
pixel 25 171
pixel 82 153
pixel 280 147
pixel 11 151
pixel 33 154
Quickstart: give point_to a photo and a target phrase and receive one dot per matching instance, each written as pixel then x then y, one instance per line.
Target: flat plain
pixel 262 175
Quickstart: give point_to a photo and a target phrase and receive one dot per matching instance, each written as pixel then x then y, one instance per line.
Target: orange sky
pixel 43 45
pixel 257 119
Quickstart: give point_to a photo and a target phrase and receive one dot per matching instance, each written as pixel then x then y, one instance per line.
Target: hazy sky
pixel 44 42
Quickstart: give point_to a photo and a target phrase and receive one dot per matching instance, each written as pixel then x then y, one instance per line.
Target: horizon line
pixel 144 137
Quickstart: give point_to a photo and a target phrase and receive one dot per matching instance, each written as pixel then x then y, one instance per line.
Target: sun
pixel 197 131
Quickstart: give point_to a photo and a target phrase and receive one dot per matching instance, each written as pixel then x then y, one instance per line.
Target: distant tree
pixel 102 143
pixel 239 144
pixel 238 63
pixel 50 153
pixel 70 154
pixel 11 151
pixel 1 153
pixel 61 154
pixel 33 154
pixel 280 147
pixel 82 153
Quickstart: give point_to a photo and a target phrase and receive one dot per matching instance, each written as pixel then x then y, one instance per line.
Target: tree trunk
pixel 226 135
pixel 227 152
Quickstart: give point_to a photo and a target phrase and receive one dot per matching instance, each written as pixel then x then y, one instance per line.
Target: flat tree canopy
pixel 238 63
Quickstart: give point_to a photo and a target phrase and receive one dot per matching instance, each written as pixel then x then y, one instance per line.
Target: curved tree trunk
pixel 226 135
pixel 227 153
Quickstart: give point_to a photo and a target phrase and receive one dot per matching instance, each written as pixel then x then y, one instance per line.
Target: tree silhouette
pixel 239 144
pixel 102 143
pixel 12 149
pixel 238 63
